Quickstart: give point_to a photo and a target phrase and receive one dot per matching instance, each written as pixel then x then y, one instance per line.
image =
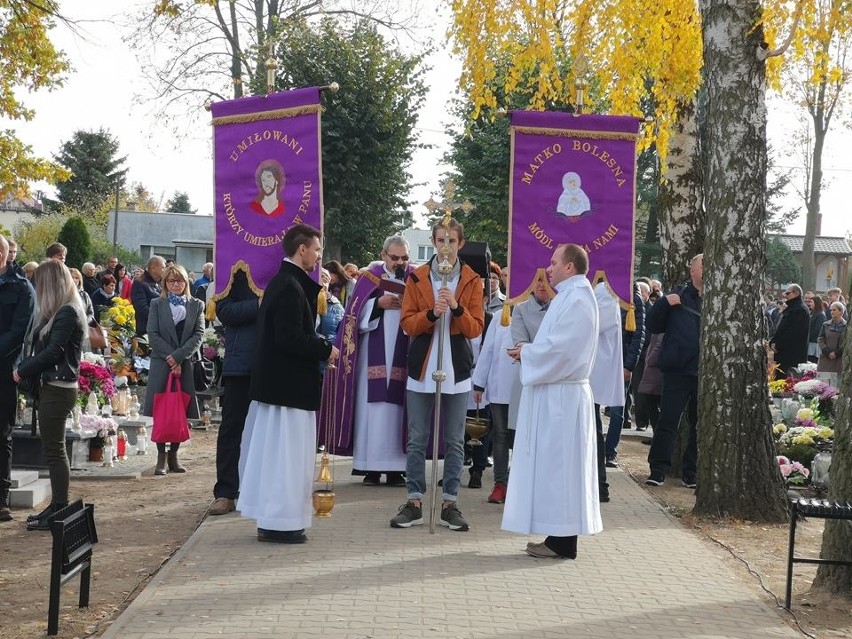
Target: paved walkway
pixel 644 577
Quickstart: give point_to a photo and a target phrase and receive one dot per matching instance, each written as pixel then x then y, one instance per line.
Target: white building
pixel 185 238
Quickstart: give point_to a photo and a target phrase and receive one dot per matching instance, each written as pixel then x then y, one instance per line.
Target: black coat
pixel 632 341
pixel 144 291
pixel 16 309
pixel 58 353
pixel 791 336
pixel 288 352
pixel 680 352
pixel 238 312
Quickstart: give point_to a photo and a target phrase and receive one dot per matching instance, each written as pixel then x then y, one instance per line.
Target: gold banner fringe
pixel 574 133
pixel 240 265
pixel 258 116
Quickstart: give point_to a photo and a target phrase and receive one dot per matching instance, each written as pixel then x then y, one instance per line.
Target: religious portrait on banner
pixel 269 178
pixel 573 202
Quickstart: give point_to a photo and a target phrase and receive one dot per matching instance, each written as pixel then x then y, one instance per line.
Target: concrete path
pixel 644 577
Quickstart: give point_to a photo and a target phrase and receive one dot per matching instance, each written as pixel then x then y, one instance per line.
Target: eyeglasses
pixel 174 282
pixel 398 258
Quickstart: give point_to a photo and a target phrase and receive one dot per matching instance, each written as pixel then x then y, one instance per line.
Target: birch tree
pixel 737 471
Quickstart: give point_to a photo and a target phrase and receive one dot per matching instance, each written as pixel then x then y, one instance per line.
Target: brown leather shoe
pixel 542 552
pixel 174 463
pixel 222 506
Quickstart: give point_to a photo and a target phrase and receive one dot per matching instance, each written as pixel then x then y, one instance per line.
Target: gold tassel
pixel 322 303
pixel 210 311
pixel 505 316
pixel 630 320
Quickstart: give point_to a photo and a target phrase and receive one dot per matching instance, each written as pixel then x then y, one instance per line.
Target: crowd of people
pixel 47 313
pixel 366 340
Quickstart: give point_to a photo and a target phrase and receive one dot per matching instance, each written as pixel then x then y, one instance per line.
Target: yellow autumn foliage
pixel 617 45
pixel 28 62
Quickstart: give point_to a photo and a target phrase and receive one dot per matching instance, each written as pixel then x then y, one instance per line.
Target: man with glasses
pixel 790 341
pixel 368 410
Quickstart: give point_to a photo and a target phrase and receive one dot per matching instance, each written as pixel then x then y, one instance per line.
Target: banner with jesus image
pixel 572 180
pixel 268 177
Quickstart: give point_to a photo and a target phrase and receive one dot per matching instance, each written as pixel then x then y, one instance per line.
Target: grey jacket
pixel 526 320
pixel 165 341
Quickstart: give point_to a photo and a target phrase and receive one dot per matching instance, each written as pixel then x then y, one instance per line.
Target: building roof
pixel 822 245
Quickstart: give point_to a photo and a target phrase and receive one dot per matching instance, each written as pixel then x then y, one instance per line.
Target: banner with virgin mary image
pixel 572 180
pixel 268 177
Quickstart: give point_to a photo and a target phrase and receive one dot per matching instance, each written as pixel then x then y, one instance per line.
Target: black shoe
pixel 611 463
pixel 43 520
pixel 626 425
pixel 468 461
pixel 410 514
pixel 395 479
pixel 372 479
pixel 475 478
pixel 689 481
pixel 44 513
pixel 451 517
pixel 282 536
pixel 647 441
pixel 489 462
pixel 640 428
pixel 603 498
pixel 656 479
pixel 5 513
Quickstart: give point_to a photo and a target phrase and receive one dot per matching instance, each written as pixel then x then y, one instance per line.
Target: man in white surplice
pixel 553 488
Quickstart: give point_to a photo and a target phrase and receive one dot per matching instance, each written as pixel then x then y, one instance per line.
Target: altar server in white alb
pixel 607 378
pixel 553 487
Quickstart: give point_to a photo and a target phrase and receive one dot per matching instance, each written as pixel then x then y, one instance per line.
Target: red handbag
pixel 170 423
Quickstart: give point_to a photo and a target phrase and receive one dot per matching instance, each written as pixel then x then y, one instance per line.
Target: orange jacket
pixel 418 320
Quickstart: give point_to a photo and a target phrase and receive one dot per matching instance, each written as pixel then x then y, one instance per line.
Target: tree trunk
pixel 680 204
pixel 837 536
pixel 808 261
pixel 737 472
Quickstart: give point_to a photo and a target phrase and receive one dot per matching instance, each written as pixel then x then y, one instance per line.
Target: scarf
pixel 177 305
pixel 433 267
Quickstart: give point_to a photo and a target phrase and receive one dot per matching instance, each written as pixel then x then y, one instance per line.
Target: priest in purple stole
pixel 365 411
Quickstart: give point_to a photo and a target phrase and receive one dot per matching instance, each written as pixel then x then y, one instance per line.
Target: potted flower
pixel 125 346
pixel 95 378
pixel 794 473
pixel 103 427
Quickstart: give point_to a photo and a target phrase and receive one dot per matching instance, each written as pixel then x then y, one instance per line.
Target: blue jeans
pixel 453 411
pixel 616 422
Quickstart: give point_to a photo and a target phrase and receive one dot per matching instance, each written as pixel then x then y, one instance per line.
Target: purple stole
pixel 337 413
pixel 379 388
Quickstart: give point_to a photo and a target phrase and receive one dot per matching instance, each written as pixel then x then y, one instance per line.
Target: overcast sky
pixel 103 91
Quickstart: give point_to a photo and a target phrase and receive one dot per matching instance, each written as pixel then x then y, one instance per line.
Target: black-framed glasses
pixel 398 258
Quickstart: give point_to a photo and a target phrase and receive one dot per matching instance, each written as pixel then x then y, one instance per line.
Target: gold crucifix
pixel 448 205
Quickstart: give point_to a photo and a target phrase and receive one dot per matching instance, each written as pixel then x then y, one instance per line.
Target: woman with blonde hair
pixel 175 330
pixel 57 337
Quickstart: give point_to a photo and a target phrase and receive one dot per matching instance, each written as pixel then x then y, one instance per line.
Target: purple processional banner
pixel 268 177
pixel 573 179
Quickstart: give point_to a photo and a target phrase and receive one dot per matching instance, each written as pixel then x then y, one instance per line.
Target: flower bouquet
pixel 795 474
pixel 120 322
pixel 94 377
pixel 212 345
pixel 799 442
